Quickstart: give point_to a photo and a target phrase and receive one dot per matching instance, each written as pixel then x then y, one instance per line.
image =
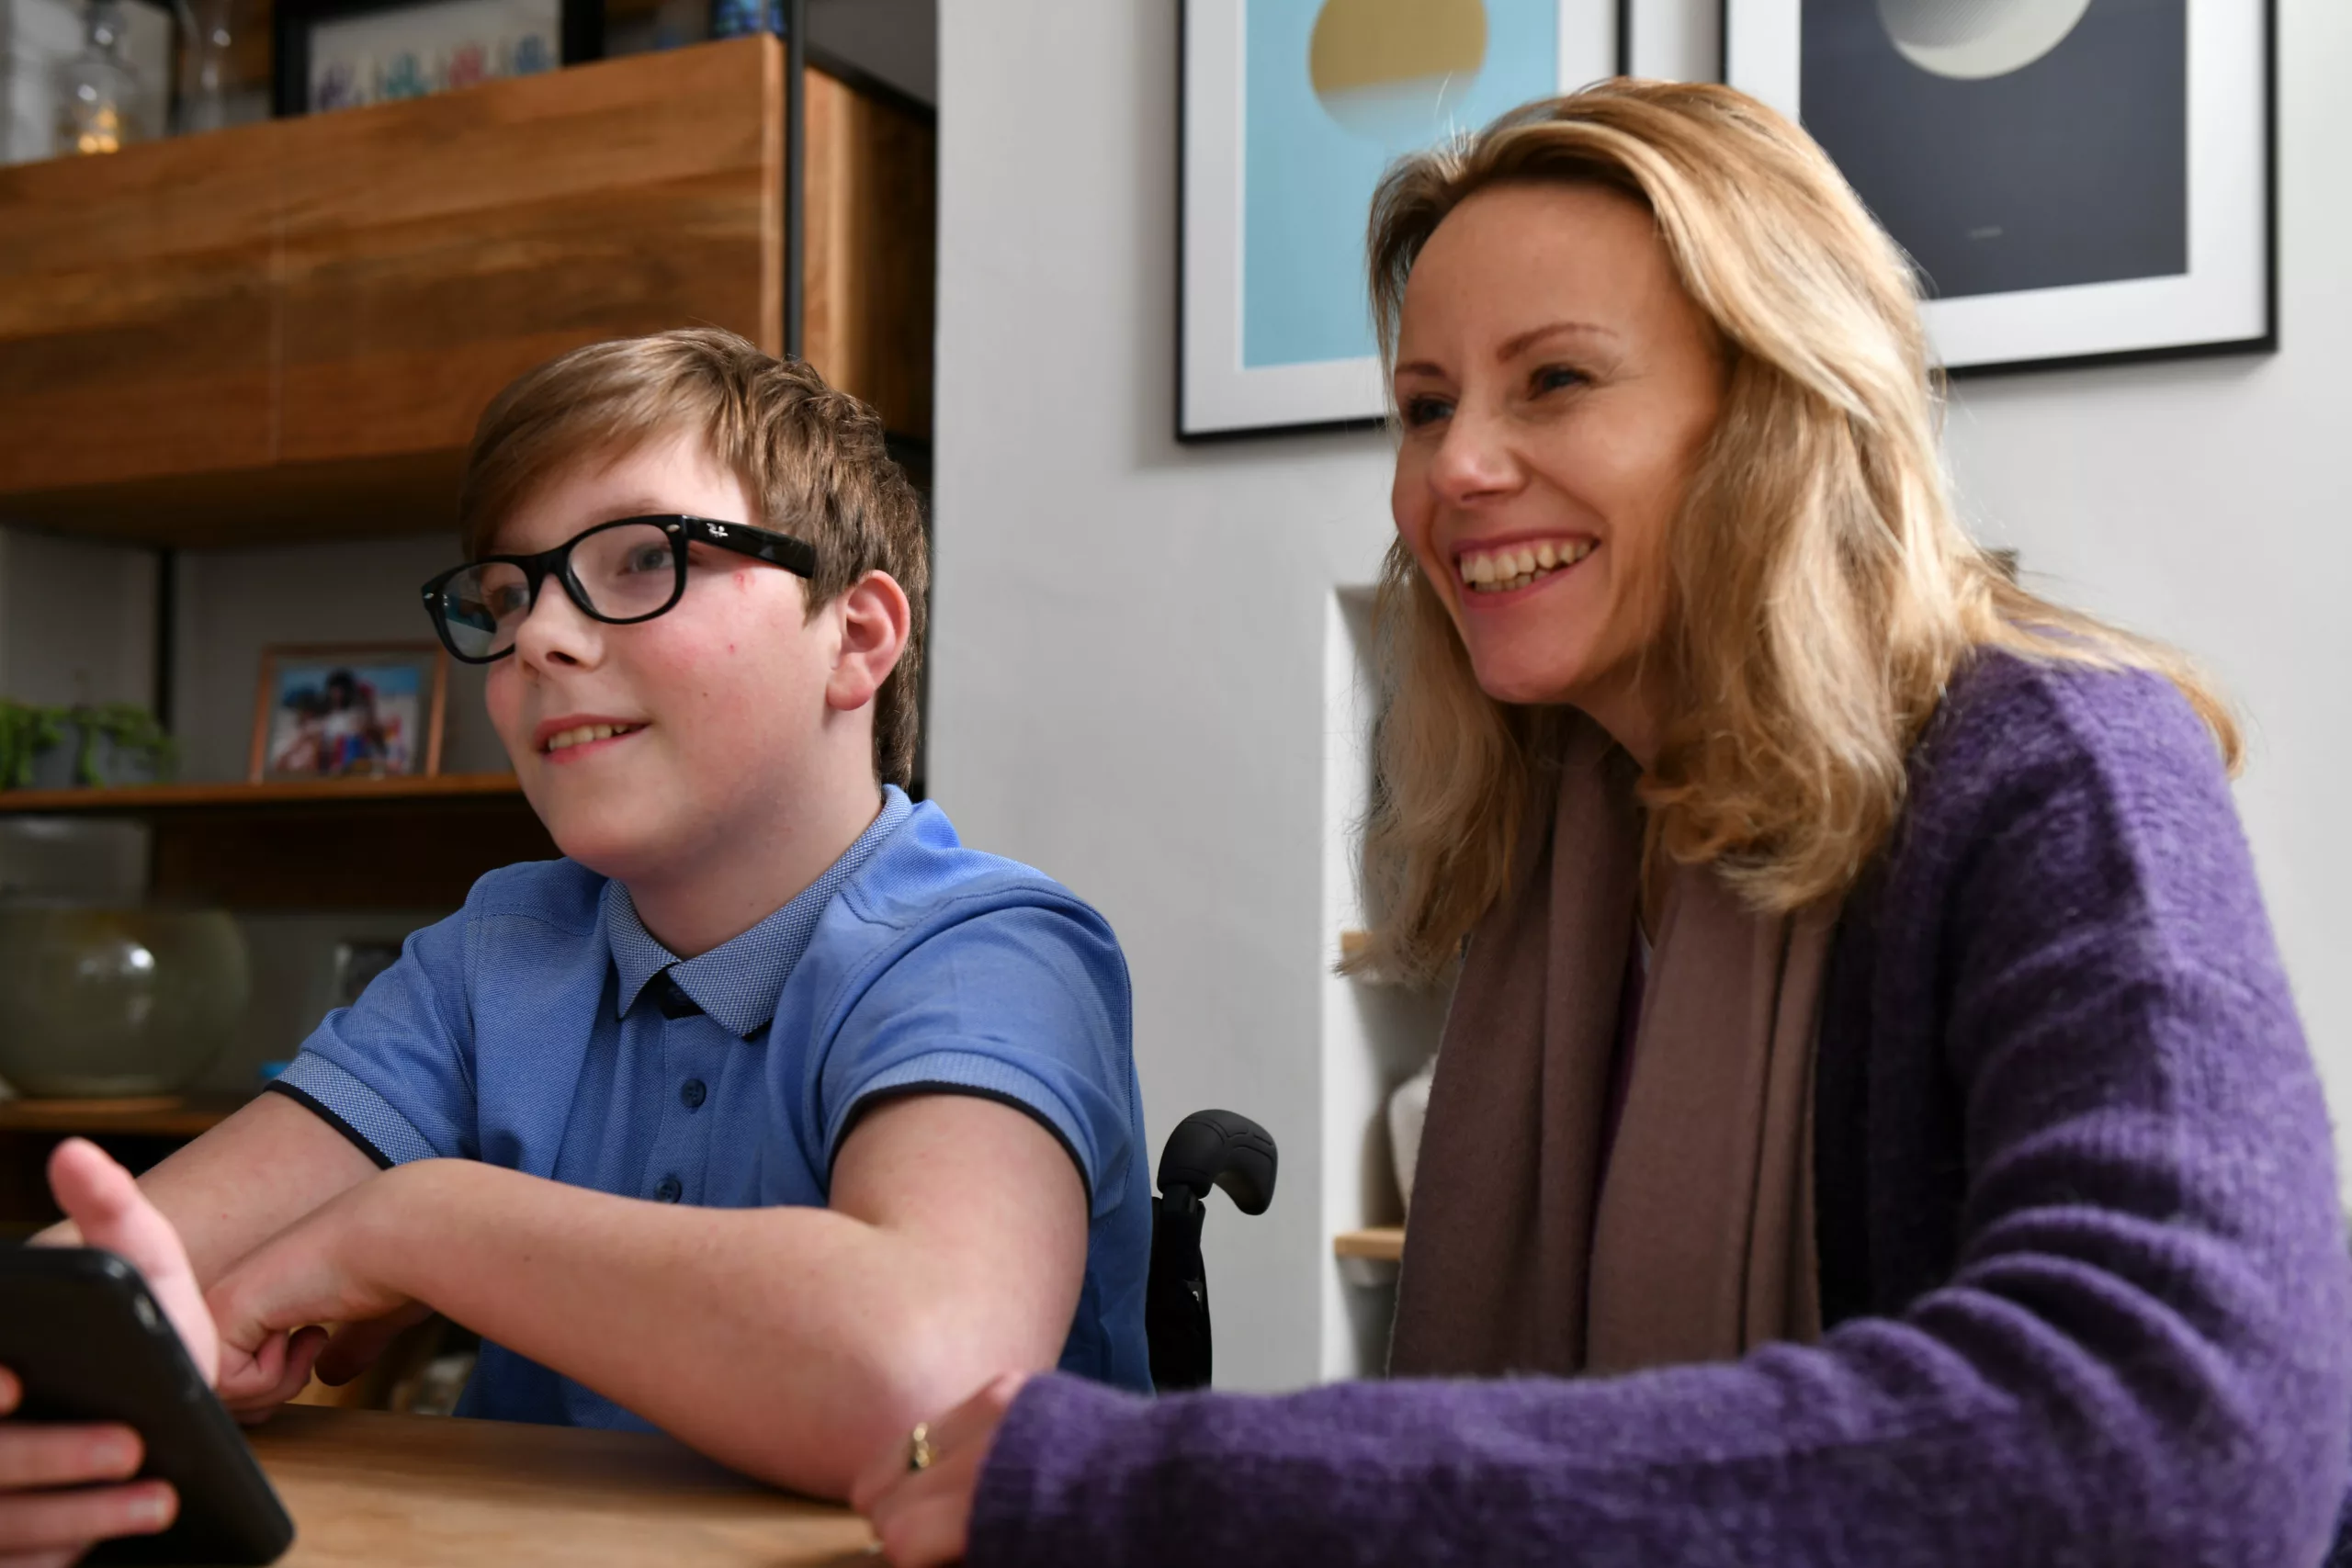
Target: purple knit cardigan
pixel 2079 1220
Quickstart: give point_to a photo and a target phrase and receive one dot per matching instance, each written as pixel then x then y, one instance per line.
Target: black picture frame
pixel 582 29
pixel 2263 16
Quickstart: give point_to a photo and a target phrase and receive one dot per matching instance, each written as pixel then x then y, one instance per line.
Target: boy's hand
pixel 52 1506
pixel 324 1268
pixel 922 1517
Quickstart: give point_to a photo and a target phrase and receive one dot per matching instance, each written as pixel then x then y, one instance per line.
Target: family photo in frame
pixel 364 710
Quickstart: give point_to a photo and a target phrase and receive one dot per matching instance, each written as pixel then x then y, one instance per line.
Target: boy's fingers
pixel 38 1521
pixel 11 1391
pixel 42 1454
pixel 355 1346
pixel 107 1208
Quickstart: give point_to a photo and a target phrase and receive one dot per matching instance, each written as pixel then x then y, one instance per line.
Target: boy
pixel 770 1116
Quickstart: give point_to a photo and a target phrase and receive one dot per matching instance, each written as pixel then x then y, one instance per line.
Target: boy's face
pixel 714 707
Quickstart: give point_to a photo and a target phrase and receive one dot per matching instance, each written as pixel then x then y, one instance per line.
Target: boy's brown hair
pixel 813 457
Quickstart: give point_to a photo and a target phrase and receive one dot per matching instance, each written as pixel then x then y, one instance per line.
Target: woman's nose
pixel 1474 458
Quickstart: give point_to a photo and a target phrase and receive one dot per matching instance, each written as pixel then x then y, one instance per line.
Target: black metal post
pixel 167 620
pixel 795 128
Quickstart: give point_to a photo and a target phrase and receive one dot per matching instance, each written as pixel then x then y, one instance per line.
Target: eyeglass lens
pixel 626 572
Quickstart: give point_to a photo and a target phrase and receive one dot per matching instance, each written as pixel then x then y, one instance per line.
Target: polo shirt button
pixel 691 1094
pixel 669 1191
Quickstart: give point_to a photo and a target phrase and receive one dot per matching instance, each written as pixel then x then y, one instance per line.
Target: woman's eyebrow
pixel 1520 343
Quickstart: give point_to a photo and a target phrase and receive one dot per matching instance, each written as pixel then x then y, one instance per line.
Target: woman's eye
pixel 1555 377
pixel 1420 410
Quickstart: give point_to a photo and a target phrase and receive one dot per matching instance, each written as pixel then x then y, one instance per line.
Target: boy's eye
pixel 505 601
pixel 647 557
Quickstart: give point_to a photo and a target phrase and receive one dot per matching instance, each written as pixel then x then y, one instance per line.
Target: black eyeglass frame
pixel 795 556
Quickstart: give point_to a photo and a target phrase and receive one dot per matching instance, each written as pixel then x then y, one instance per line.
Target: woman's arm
pixel 2141 1356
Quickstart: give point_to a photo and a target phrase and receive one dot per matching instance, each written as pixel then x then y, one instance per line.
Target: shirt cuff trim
pixel 310 1104
pixel 348 1101
pixel 981 1078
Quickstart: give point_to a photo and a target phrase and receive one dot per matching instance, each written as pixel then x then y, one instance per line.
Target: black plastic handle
pixel 1221 1149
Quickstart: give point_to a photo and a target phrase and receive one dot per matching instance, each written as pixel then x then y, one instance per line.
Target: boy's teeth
pixel 1516 566
pixel 584 734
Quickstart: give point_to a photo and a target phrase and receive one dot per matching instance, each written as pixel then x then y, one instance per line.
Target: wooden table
pixel 436 1492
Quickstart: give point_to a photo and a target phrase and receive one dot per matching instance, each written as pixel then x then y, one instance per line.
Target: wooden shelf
pixel 149 1116
pixel 1378 1243
pixel 413 843
pixel 287 329
pixel 144 800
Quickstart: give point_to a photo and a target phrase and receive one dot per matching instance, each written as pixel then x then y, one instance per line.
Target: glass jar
pixel 97 90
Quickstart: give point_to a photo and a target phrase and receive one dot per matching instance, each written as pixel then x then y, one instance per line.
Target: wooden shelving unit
pixel 408 843
pixel 1376 1244
pixel 286 331
pixel 148 800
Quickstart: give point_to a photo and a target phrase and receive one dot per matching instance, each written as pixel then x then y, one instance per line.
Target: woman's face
pixel 1557 387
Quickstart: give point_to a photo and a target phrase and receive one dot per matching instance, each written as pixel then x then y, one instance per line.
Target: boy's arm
pixel 266 1166
pixel 790 1343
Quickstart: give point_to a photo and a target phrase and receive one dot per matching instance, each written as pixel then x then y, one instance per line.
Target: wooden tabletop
pixel 436 1492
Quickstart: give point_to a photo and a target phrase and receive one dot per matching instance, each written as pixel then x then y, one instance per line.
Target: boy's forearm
pixel 791 1343
pixel 261 1169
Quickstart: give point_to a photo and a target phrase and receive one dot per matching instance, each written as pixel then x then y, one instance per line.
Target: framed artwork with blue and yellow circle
pixel 1293 109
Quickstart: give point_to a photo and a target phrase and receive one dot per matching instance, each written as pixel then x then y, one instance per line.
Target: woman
pixel 1871 1050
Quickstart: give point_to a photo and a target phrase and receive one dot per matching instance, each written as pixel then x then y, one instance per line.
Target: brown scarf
pixel 1699 1244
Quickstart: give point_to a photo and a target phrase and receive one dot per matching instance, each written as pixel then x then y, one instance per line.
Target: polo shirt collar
pixel 736 983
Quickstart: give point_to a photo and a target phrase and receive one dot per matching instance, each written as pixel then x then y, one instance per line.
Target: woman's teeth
pixel 563 740
pixel 1516 566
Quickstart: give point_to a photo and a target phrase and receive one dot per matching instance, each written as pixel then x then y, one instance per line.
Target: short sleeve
pixel 1026 1005
pixel 393 1072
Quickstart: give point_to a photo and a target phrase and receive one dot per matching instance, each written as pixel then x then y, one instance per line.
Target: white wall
pixel 1132 636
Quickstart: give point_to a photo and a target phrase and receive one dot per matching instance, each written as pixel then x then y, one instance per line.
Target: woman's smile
pixel 1498 571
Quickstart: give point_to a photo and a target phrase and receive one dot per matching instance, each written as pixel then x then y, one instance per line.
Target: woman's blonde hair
pixel 1820 591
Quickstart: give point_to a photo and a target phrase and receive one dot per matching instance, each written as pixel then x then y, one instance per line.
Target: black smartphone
pixel 79 1330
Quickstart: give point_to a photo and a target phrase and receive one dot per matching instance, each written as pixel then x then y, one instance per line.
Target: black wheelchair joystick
pixel 1208 1149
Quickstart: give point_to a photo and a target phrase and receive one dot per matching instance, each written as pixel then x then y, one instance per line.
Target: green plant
pixel 131 729
pixel 26 732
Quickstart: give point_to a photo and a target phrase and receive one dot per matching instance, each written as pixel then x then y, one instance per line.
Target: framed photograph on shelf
pixel 335 54
pixel 1291 109
pixel 2070 190
pixel 371 710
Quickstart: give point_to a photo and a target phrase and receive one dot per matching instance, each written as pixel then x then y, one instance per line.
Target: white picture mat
pixel 1219 394
pixel 2225 296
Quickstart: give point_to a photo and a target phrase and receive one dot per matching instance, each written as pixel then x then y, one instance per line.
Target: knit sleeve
pixel 2139 1355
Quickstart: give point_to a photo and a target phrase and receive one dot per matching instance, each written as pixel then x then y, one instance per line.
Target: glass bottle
pixel 97 89
pixel 207 33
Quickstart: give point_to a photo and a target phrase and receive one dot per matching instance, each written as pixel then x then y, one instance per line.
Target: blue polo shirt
pixel 542 1027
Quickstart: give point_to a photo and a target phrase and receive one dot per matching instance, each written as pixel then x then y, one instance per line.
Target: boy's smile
pixel 575 736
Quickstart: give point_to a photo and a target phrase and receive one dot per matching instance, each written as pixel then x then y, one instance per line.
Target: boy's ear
pixel 875 621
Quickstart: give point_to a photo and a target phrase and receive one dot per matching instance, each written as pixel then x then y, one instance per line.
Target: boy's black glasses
pixel 618 572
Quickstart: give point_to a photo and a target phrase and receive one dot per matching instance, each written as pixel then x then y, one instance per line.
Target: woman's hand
pixel 324 1269
pixel 921 1517
pixel 55 1498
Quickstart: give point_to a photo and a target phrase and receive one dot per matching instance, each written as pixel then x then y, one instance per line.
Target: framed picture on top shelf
pixel 1291 109
pixel 335 54
pixel 2069 189
pixel 362 710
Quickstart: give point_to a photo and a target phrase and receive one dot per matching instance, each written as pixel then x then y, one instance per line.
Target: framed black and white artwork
pixel 2076 180
pixel 1292 110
